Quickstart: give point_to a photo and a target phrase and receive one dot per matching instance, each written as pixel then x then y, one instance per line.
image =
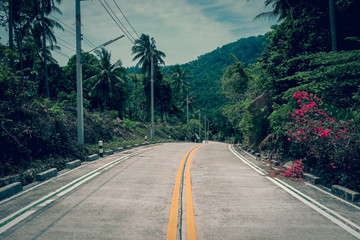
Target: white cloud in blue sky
pixel 183 29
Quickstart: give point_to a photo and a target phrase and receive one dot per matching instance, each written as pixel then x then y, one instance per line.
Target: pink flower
pixel 289 139
pixel 325 133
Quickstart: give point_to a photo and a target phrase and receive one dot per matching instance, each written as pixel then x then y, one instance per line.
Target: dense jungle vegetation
pixel 38 100
pixel 294 92
pixel 301 99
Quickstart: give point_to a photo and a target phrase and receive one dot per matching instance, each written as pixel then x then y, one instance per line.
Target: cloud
pixel 183 29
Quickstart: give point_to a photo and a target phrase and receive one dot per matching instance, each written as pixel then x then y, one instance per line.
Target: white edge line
pixel 332 195
pixel 58 192
pixel 321 206
pixel 258 170
pixel 312 205
pixel 83 164
pixel 322 212
pixel 249 154
pixel 16 221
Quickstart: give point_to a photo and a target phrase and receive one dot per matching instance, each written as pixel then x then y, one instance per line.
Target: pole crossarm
pixel 107 43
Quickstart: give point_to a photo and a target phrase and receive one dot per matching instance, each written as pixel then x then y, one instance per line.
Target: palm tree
pixel 29 26
pixel 148 57
pixel 280 9
pixel 143 49
pixel 283 9
pixel 47 7
pixel 108 75
pixel 179 81
pixel 190 104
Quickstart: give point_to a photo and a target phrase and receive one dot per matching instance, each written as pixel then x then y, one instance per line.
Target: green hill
pixel 208 69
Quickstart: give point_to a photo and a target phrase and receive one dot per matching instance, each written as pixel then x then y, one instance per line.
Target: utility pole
pixel 187 108
pixel 199 125
pixel 152 96
pixel 44 50
pixel 207 136
pixel 332 26
pixel 79 87
pixel 205 128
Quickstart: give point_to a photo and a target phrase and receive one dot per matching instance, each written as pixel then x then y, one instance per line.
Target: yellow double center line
pixel 174 211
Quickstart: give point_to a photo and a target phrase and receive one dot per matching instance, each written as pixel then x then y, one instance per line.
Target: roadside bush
pixel 331 147
pixel 296 170
pixel 34 133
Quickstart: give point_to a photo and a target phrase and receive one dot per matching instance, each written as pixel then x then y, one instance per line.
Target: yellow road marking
pixel 174 210
pixel 190 218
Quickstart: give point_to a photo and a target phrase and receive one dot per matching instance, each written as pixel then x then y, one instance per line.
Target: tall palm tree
pixel 47 7
pixel 30 29
pixel 179 81
pixel 148 57
pixel 286 8
pixel 29 26
pixel 143 49
pixel 279 9
pixel 108 75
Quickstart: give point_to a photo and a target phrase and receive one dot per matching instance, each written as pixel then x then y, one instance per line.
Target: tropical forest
pixel 292 93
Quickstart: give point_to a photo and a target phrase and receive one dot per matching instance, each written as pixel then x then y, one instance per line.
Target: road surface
pixel 176 191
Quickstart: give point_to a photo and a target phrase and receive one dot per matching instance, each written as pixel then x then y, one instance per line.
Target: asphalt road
pixel 132 195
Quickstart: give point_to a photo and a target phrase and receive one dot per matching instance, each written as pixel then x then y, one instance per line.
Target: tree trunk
pixel 36 79
pixel 11 26
pixel 105 98
pixel 44 50
pixel 332 26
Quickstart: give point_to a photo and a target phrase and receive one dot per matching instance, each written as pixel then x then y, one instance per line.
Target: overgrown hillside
pixel 207 70
pixel 301 100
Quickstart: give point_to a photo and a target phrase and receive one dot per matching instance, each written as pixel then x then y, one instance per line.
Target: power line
pixel 116 22
pixel 63 23
pixel 73 32
pixel 87 41
pixel 65 42
pixel 62 54
pixel 119 21
pixel 66 47
pixel 126 19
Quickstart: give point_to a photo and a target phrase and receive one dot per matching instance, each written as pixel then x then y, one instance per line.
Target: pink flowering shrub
pixel 330 147
pixel 296 170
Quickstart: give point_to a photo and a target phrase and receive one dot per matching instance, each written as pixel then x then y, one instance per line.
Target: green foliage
pixel 36 130
pixel 234 81
pixel 209 68
pixel 180 82
pixel 329 146
pixel 106 83
pixel 144 49
pixel 128 124
pixel 279 117
pixel 207 71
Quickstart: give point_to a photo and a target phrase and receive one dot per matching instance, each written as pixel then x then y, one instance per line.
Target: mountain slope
pixel 208 69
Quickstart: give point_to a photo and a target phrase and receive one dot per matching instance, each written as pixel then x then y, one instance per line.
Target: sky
pixel 182 29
